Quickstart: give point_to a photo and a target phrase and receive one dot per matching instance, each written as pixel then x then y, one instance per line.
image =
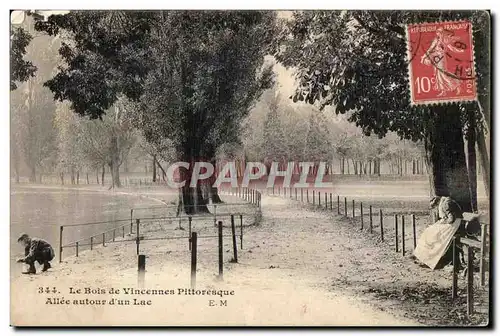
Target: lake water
pixel 39 211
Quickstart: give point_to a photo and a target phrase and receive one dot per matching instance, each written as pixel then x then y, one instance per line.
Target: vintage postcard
pixel 250 168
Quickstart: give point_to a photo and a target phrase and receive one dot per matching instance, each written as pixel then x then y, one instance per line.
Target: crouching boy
pixel 36 249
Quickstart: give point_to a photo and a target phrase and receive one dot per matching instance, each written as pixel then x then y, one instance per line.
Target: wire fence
pixel 163 223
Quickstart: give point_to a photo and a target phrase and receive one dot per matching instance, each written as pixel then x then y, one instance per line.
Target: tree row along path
pixel 297 267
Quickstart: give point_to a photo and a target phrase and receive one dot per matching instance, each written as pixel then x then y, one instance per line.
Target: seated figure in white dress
pixel 434 248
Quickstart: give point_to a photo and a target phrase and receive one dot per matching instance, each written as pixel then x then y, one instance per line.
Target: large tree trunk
pixel 470 158
pixel 164 174
pixel 33 173
pixel 154 167
pixel 445 156
pixel 354 166
pixel 115 175
pixel 115 163
pixel 102 174
pixel 485 162
pixel 15 158
pixel 191 198
pixel 213 191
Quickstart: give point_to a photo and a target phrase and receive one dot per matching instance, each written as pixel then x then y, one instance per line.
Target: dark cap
pixel 24 236
pixel 435 201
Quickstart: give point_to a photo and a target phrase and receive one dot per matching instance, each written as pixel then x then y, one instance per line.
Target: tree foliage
pixel 104 56
pixel 20 69
pixel 357 61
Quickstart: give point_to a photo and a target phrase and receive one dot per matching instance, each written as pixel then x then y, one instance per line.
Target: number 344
pixel 47 290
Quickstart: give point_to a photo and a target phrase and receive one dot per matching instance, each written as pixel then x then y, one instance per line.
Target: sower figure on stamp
pixel 36 249
pixel 436 56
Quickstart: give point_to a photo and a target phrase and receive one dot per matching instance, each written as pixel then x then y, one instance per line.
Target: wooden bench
pixel 470 244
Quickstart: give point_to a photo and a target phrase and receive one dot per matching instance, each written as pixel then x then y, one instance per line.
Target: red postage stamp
pixel 441 62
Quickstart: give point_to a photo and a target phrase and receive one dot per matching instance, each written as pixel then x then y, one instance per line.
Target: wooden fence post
pixel 137 239
pixel 307 194
pixel 326 201
pixel 403 235
pixel 353 209
pixel 362 215
pixel 345 206
pixel 371 220
pixel 189 227
pixel 470 281
pixel 215 214
pixel 131 220
pixel 194 244
pixel 61 228
pixel 454 281
pixel 319 198
pixel 235 247
pixel 91 243
pixel 77 249
pixel 314 197
pixel 123 231
pixel 381 225
pixel 295 193
pixel 396 231
pixel 301 195
pixel 103 239
pixel 221 269
pixel 338 204
pixel 413 224
pixel 141 269
pixel 331 202
pixel 241 231
pixel 482 270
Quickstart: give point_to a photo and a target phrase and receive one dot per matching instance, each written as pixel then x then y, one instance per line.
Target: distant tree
pixel 274 145
pixel 33 109
pixel 69 157
pixel 317 146
pixel 107 142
